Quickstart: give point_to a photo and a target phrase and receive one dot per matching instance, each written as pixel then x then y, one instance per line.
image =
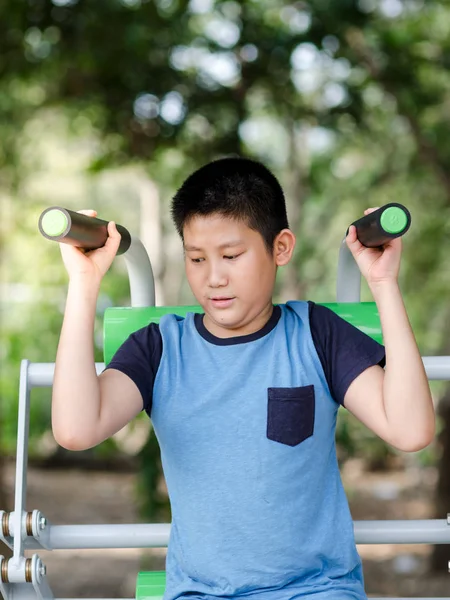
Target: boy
pixel 244 398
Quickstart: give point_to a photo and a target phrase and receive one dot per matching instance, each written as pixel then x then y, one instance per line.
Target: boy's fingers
pixel 114 237
pixel 353 243
pixel 371 210
pixel 395 243
pixel 87 211
pixel 68 249
pixel 351 236
pixel 112 230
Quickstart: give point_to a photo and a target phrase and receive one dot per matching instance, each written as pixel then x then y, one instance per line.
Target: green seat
pixel 119 323
pixel 150 585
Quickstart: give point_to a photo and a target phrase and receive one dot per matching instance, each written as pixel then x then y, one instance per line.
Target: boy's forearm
pixel 406 393
pixel 76 392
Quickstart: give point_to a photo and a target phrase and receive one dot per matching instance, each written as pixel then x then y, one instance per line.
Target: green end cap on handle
pixel 394 220
pixel 54 222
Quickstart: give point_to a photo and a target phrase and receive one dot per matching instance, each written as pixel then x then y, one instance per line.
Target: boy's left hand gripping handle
pixel 63 225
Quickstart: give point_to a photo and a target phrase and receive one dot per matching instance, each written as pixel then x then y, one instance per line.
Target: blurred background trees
pixel 109 104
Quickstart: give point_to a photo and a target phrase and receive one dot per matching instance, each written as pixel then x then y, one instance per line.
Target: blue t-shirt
pixel 246 429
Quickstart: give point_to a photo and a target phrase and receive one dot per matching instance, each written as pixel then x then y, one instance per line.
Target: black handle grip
pixel 386 223
pixel 63 225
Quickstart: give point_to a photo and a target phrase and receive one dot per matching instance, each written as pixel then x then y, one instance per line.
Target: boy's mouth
pixel 221 301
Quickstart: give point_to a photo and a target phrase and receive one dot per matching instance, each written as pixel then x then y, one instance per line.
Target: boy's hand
pixel 92 264
pixel 378 265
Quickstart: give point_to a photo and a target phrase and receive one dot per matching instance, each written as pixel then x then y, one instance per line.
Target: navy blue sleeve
pixel 344 351
pixel 139 357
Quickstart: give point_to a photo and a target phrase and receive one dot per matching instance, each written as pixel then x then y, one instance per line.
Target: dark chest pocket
pixel 290 414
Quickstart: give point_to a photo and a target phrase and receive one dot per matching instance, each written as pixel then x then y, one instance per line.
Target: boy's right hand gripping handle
pixel 63 225
pixel 384 224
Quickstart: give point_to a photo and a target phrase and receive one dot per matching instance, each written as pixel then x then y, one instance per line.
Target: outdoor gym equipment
pixel 62 225
pixel 24 578
pixel 384 224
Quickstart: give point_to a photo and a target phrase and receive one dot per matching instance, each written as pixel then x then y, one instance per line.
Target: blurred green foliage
pixel 347 101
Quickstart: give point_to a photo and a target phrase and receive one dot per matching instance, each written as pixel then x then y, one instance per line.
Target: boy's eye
pixel 197 260
pixel 232 257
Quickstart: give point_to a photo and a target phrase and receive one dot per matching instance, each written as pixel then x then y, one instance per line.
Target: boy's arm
pixel 395 403
pixel 87 409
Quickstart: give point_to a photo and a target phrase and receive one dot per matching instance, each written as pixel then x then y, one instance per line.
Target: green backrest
pixel 119 323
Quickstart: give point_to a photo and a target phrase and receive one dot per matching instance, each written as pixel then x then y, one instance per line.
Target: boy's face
pixel 231 273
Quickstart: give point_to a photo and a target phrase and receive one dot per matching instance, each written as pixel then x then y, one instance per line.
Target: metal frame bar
pixel 348 284
pixel 156 535
pixel 41 374
pixel 140 274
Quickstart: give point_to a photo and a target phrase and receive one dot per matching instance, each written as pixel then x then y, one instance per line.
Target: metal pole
pixel 437 367
pixel 348 284
pixel 23 427
pixel 41 374
pixel 136 535
pixel 425 531
pixel 140 274
pixel 146 535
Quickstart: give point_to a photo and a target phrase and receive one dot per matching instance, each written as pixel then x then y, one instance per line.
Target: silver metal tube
pixel 348 284
pixel 109 536
pixel 437 367
pixel 425 531
pixel 23 427
pixel 41 374
pixel 140 274
pixel 144 535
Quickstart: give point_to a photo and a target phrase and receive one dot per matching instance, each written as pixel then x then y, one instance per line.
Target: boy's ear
pixel 283 247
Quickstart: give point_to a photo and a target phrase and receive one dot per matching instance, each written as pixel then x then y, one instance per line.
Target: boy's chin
pixel 223 321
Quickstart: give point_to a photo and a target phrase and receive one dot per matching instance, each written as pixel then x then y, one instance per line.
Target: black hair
pixel 239 188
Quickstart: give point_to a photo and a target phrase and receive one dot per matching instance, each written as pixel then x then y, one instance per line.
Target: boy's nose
pixel 217 277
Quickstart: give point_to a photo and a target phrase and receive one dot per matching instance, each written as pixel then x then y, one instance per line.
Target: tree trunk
pixel 441 552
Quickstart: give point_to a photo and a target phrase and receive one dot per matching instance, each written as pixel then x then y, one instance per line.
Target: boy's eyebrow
pixel 230 244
